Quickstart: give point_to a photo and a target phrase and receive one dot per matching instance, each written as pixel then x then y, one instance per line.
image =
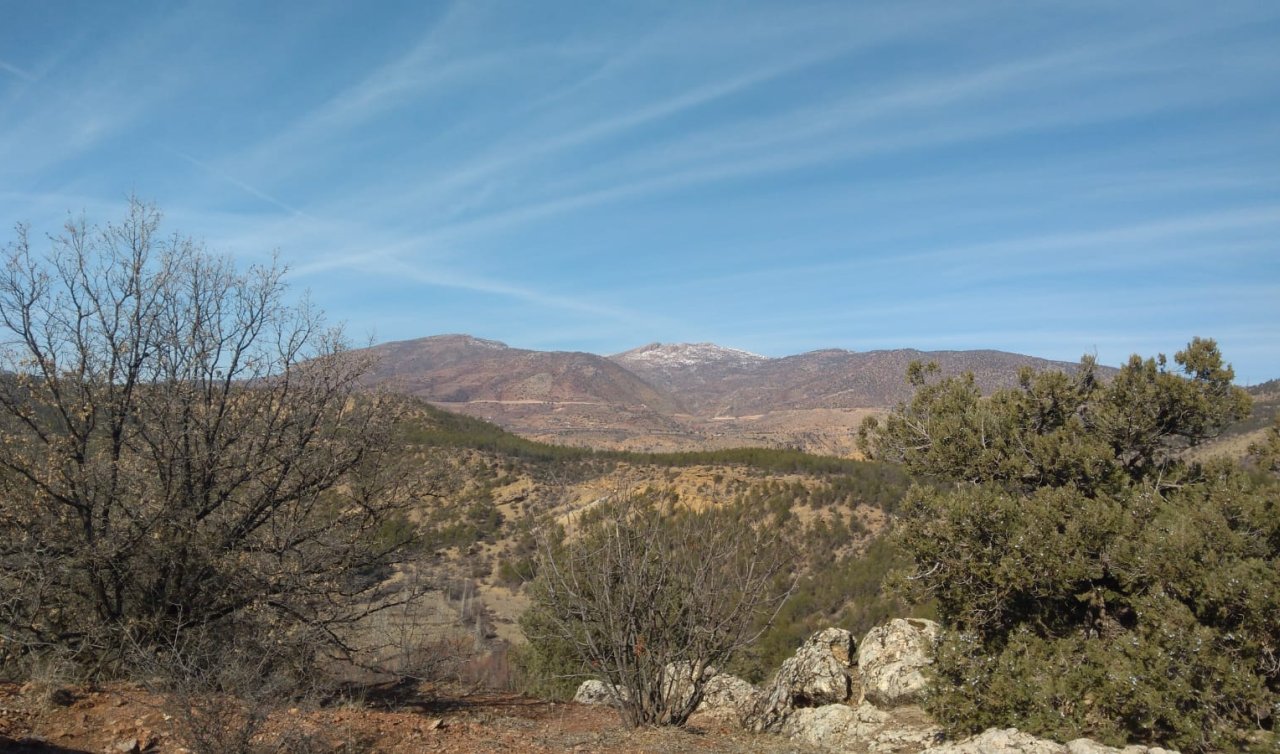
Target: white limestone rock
pixel 726 695
pixel 820 672
pixel 596 692
pixel 1014 741
pixel 892 659
pixel 841 728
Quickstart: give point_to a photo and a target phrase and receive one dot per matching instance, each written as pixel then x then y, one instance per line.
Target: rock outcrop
pixel 839 727
pixel 722 694
pixel 820 672
pixel 828 696
pixel 892 659
pixel 727 696
pixel 1014 741
pixel 677 682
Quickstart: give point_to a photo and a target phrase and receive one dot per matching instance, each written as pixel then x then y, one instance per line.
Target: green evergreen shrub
pixel 1095 583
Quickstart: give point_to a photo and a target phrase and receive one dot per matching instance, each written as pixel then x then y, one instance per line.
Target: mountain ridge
pixel 671 396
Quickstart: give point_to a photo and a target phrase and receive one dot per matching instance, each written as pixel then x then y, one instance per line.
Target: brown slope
pixel 871 379
pixel 542 393
pixel 733 385
pixel 668 397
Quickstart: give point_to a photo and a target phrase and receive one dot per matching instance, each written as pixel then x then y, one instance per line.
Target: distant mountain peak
pixel 687 355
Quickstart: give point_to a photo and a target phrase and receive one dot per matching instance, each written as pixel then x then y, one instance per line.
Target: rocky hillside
pixel 853 697
pixel 697 372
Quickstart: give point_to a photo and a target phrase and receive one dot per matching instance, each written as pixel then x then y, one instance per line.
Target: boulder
pixel 820 672
pixel 1089 746
pixel 898 738
pixel 677 682
pixel 1014 741
pixel 841 728
pixel 595 692
pixel 833 726
pixel 726 695
pixel 997 741
pixel 892 659
pixel 721 692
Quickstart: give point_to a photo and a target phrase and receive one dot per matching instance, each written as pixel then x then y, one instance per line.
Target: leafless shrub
pixel 433 642
pixel 230 696
pixel 460 660
pixel 652 597
pixel 490 668
pixel 181 448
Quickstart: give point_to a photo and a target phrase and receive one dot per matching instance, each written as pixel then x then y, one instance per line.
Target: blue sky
pixel 1048 178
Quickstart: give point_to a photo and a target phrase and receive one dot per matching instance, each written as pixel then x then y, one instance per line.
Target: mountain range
pixel 673 396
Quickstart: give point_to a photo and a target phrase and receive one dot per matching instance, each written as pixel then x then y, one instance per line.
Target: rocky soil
pixel 121 719
pixel 834 695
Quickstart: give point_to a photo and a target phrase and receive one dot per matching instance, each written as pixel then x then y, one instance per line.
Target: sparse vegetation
pixel 820 506
pixel 443 429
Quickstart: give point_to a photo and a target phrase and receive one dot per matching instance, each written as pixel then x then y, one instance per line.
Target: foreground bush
pixel 1096 584
pixel 182 452
pixel 650 597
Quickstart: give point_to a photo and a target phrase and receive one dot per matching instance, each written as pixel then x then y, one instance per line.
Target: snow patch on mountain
pixel 677 355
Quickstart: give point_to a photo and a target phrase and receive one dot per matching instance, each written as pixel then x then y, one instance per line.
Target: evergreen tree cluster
pixel 1096 583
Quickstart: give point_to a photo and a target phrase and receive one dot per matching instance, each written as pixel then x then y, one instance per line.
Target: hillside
pixel 669 397
pixel 824 379
pixel 565 396
pixel 487 489
pixel 463 369
pixel 490 488
pixel 1236 439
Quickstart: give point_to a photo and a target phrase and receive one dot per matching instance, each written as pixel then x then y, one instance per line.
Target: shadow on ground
pixel 34 746
pixel 409 696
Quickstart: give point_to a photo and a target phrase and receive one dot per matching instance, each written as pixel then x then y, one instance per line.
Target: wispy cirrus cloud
pixel 252 191
pixel 773 169
pixel 944 111
pixel 14 70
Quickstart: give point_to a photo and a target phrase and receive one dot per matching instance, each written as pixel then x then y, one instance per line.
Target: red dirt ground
pixel 121 719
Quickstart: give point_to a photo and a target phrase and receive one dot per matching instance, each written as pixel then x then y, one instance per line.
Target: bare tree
pixel 180 448
pixel 654 598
